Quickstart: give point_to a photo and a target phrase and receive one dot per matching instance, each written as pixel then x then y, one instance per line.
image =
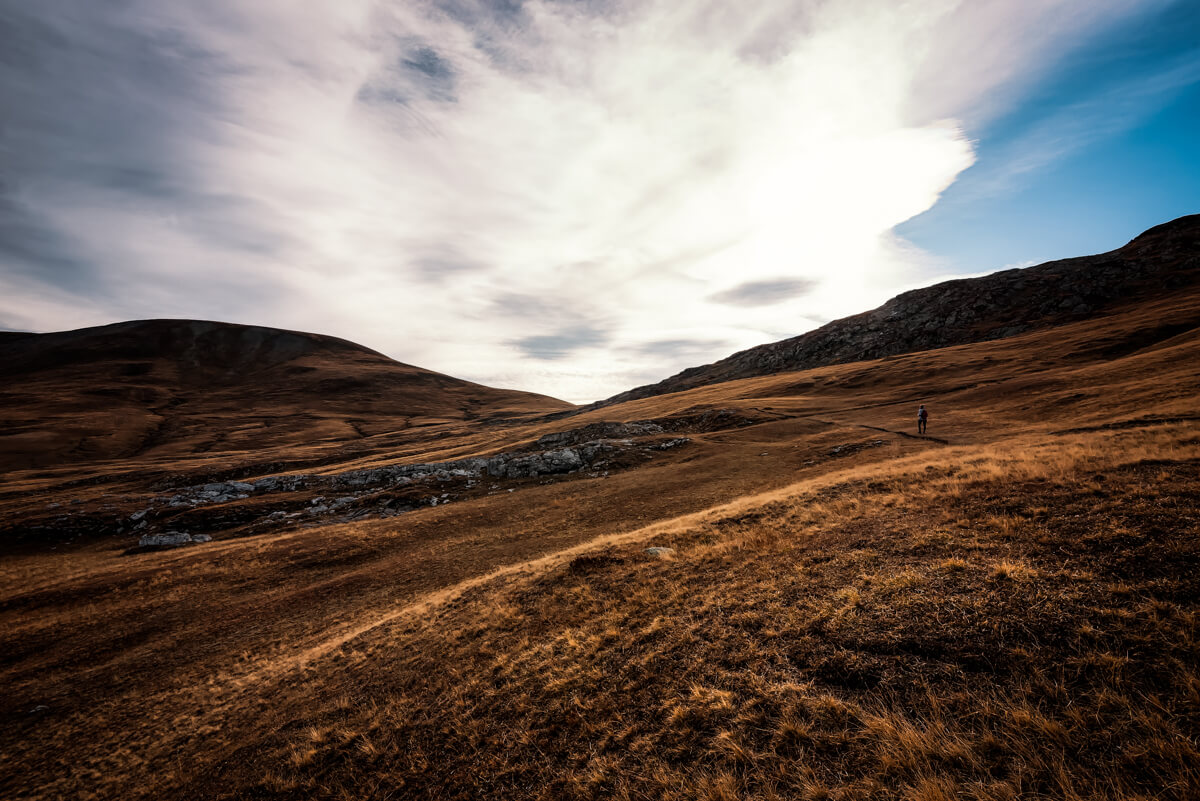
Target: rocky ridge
pixel 967 310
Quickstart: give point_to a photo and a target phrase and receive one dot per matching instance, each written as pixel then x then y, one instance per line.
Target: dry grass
pixel 1013 615
pixel 817 645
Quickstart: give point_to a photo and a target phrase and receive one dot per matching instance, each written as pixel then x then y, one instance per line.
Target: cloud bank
pixel 565 197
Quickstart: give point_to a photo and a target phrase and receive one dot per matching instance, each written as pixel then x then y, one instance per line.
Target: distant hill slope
pixel 179 386
pixel 1003 304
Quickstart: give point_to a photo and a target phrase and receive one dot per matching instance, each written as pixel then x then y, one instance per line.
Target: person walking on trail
pixel 922 419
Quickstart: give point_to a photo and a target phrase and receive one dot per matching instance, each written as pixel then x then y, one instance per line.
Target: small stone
pixel 660 551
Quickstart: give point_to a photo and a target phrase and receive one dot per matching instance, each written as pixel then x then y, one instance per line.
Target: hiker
pixel 922 417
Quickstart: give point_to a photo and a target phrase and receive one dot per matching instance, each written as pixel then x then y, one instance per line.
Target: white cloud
pixel 553 198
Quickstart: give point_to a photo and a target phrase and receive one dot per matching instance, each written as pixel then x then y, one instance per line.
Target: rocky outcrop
pixel 221 492
pixel 599 431
pixel 508 465
pixel 357 494
pixel 995 306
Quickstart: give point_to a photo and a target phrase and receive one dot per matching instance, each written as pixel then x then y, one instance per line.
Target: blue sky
pixel 1120 119
pixel 572 198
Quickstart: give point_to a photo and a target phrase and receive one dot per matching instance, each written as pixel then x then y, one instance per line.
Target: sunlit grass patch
pixel 1008 570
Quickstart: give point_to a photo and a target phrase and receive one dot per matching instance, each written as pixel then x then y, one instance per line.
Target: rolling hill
pixel 762 587
pixel 169 387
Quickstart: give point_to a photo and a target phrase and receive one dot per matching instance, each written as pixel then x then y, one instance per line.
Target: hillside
pixel 1160 261
pixel 169 387
pixel 762 588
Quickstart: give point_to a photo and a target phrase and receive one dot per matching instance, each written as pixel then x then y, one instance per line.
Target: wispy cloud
pixel 1113 110
pixel 523 193
pixel 765 293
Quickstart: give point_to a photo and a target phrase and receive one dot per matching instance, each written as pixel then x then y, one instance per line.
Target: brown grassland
pixel 1007 609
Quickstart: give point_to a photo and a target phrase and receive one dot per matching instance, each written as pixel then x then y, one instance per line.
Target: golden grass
pixel 811 643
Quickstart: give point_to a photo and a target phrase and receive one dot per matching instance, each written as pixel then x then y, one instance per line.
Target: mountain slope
pixel 1161 260
pixel 850 611
pixel 158 387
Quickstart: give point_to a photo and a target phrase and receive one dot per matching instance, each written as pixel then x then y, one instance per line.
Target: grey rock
pixel 660 551
pixel 599 431
pixel 171 539
pixel 219 492
pixel 280 483
pixel 667 445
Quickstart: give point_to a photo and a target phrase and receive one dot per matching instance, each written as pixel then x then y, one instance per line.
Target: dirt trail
pixel 904 434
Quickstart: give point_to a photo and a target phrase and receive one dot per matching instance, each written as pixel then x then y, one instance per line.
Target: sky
pixel 572 197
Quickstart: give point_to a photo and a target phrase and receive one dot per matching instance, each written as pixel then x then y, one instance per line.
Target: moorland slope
pixel 1006 608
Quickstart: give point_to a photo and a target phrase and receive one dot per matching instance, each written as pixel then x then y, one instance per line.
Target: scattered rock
pixel 280 483
pixel 171 539
pixel 660 551
pixel 666 445
pixel 376 491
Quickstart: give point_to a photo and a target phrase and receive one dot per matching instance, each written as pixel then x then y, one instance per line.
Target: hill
pixel 1160 261
pixel 768 587
pixel 167 387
